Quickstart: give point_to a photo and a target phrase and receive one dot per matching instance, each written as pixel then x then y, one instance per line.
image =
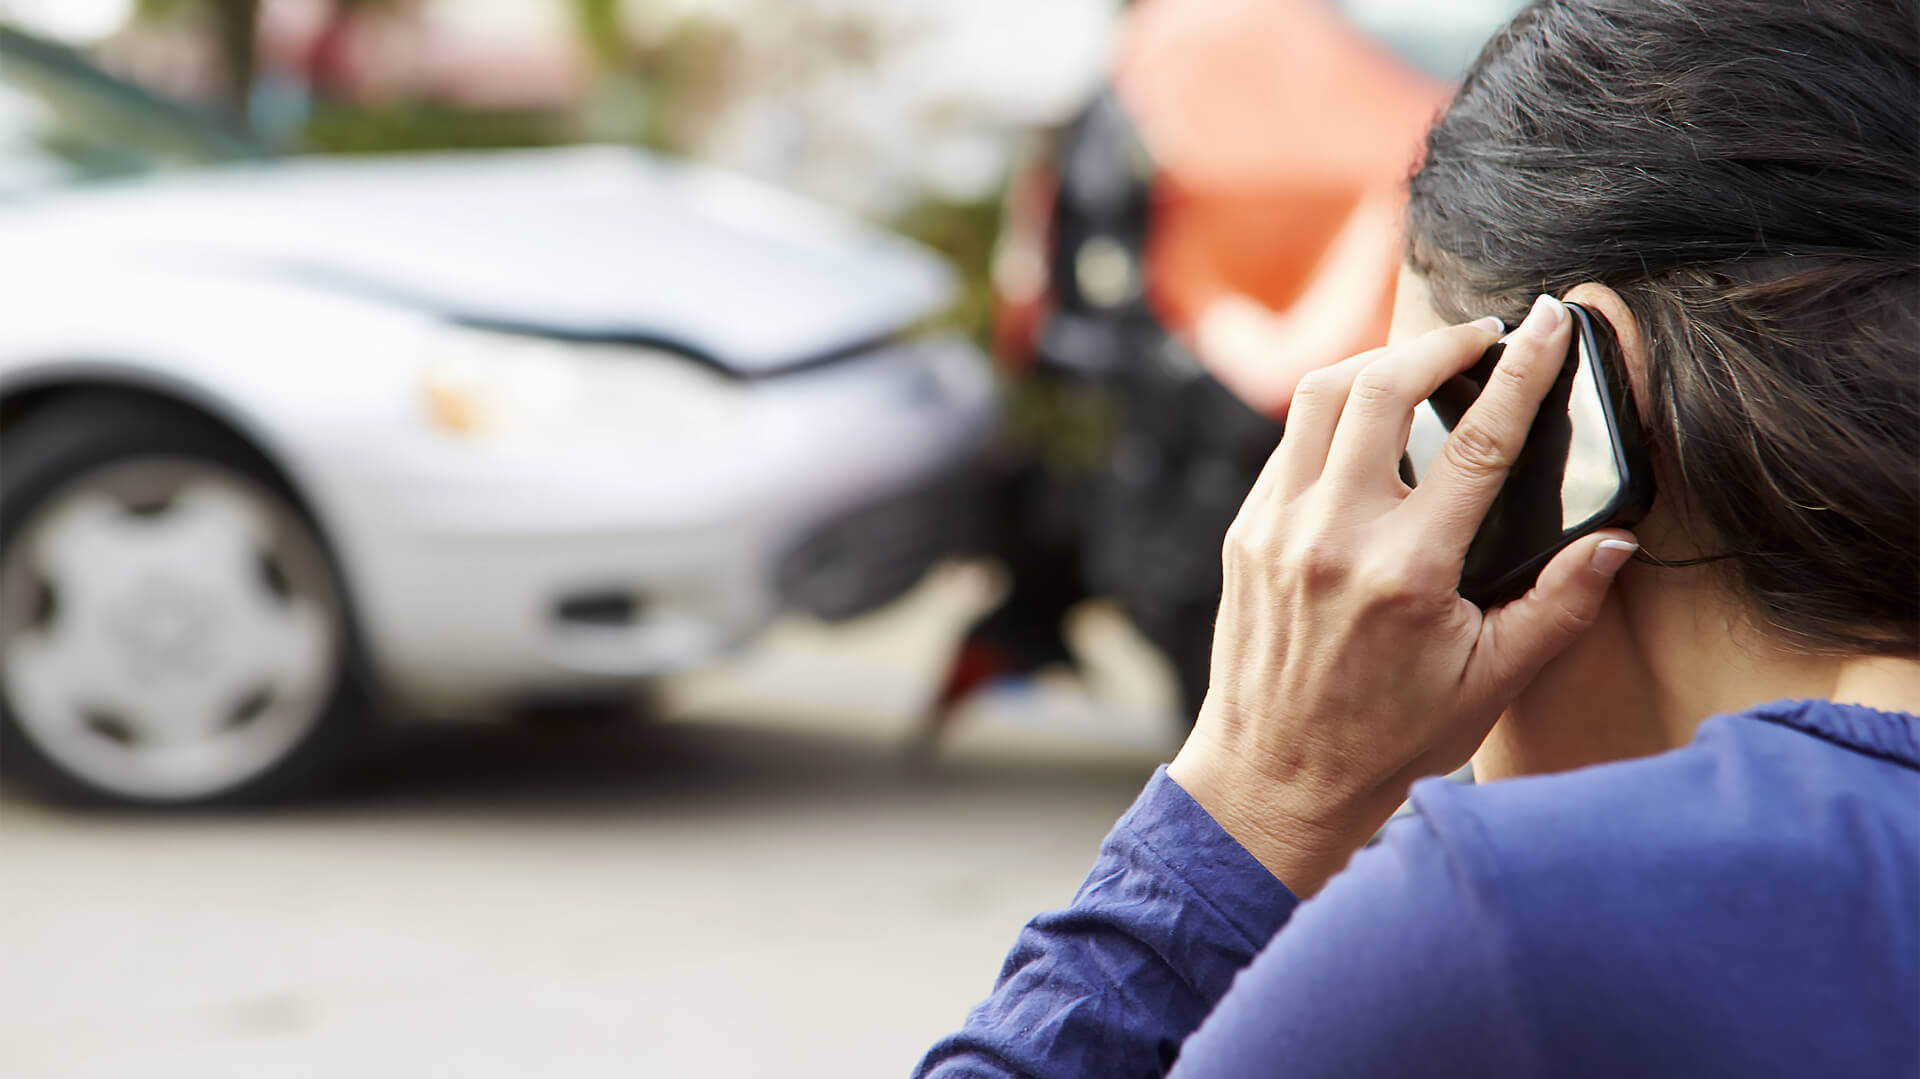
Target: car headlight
pixel 501 385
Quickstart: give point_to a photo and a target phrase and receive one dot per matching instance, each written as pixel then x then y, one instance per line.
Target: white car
pixel 280 440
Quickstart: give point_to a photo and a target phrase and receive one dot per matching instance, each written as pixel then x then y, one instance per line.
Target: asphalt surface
pixel 763 882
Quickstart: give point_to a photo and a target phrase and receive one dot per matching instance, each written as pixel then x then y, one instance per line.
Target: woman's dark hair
pixel 1746 175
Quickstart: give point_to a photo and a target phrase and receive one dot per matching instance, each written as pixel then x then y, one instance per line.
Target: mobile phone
pixel 1583 467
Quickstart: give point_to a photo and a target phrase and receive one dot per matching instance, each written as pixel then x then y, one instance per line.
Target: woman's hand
pixel 1345 663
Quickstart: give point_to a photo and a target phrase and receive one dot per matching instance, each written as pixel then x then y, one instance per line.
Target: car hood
pixel 592 242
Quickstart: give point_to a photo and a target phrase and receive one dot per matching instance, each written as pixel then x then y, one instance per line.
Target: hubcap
pixel 168 628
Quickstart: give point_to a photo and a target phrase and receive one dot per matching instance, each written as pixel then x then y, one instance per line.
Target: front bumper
pixel 486 574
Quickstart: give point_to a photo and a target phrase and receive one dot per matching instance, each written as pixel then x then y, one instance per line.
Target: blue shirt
pixel 1748 905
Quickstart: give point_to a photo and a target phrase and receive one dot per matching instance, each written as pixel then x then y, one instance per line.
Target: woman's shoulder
pixel 1781 785
pixel 1754 888
pixel 1786 824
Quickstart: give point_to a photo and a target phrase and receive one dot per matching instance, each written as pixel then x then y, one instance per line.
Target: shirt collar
pixel 1890 736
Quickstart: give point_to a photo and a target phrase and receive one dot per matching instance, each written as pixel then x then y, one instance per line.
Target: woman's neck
pixel 1705 654
pixel 1671 649
pixel 1889 683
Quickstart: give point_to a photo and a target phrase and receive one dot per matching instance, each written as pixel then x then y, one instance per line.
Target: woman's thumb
pixel 1519 638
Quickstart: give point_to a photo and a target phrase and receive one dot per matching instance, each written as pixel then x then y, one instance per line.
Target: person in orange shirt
pixel 1225 218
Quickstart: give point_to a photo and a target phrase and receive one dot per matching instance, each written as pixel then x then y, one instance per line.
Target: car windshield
pixel 63 120
pixel 1440 37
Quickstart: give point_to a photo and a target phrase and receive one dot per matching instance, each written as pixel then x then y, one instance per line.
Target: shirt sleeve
pixel 1399 966
pixel 1112 985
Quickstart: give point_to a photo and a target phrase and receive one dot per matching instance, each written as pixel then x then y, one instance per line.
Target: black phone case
pixel 1491 575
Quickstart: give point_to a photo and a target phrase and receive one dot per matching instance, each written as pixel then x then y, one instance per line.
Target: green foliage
pixel 394 127
pixel 964 232
pixel 1069 424
pixel 165 9
pixel 658 94
pixel 599 23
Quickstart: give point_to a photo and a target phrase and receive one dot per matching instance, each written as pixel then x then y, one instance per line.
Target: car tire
pixel 173 632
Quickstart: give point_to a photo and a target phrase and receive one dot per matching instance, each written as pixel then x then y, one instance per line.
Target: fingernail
pixel 1546 317
pixel 1611 555
pixel 1490 323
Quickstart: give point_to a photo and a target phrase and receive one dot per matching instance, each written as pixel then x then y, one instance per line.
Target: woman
pixel 1735 186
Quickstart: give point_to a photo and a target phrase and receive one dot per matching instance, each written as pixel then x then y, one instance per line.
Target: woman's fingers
pixel 1323 400
pixel 1454 495
pixel 1518 639
pixel 1311 420
pixel 1372 432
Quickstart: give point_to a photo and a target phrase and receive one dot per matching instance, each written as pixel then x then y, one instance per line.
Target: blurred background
pixel 629 536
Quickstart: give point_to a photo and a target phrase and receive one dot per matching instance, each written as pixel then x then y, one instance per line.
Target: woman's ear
pixel 1626 329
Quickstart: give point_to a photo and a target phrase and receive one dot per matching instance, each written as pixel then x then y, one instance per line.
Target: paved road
pixel 759 885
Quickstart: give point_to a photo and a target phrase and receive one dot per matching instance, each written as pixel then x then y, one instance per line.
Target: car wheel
pixel 172 631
